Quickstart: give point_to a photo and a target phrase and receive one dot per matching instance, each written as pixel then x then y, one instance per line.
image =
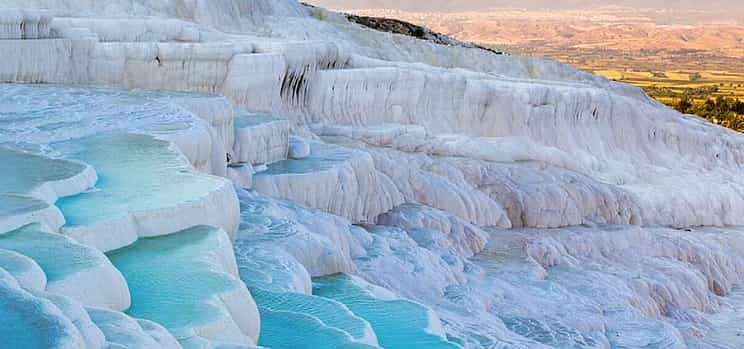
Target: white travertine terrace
pixel 22 24
pixel 260 140
pixel 512 201
pixel 337 180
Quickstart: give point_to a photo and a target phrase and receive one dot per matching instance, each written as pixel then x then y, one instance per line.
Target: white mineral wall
pixel 218 113
pixel 36 61
pixel 532 194
pixel 462 238
pixel 550 113
pixel 612 137
pixel 540 195
pixel 223 14
pixel 24 24
pixel 435 184
pixel 290 20
pixel 196 144
pixel 137 29
pixel 254 80
pixel 353 189
pixel 305 243
pixel 713 259
pixel 375 49
pixel 176 66
pixel 605 275
pixel 263 143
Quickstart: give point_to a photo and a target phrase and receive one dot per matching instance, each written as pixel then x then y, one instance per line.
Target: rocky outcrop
pixel 396 26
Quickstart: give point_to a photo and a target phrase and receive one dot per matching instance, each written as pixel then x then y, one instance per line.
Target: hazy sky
pixel 445 5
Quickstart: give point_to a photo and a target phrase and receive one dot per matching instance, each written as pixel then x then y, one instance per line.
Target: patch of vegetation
pixel 724 111
pixel 721 103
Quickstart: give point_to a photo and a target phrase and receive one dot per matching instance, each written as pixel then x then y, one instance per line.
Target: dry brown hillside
pixel 608 28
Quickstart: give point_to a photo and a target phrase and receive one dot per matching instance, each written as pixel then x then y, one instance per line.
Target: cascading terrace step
pixel 334 179
pixel 260 139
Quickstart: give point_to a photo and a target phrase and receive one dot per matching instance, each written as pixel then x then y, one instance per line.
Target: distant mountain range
pixel 459 5
pixel 602 28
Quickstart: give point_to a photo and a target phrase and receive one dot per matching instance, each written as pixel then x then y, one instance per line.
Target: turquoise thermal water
pixel 15 205
pixel 48 113
pixel 173 279
pixel 135 173
pixel 24 172
pixel 58 255
pixel 322 157
pixel 311 313
pixel 397 323
pixel 289 329
pixel 248 120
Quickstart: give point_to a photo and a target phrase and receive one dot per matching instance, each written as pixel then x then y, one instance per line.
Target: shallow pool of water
pixel 173 279
pixel 135 173
pixel 322 157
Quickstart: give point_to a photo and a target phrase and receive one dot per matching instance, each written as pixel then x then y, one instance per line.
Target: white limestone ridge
pixel 378 190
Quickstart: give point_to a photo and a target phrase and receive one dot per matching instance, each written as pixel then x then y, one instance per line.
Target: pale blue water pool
pixel 286 318
pixel 172 279
pixel 311 312
pixel 322 157
pixel 288 329
pixel 56 254
pixel 244 120
pixel 23 172
pixel 92 125
pixel 16 205
pixel 338 314
pixel 397 323
pixel 135 173
pixel 47 113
